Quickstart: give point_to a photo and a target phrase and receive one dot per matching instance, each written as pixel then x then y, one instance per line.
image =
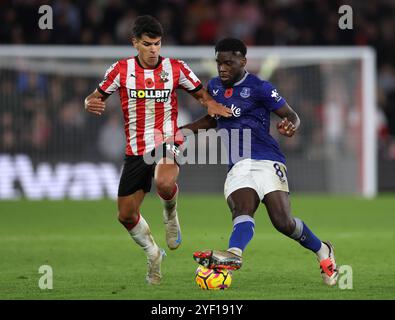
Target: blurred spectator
pixel 111 140
pixel 41 131
pixel 124 27
pixel 69 126
pixel 67 22
pixel 32 84
pixel 8 141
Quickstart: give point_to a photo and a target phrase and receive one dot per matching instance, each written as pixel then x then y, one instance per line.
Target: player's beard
pixel 227 84
pixel 231 81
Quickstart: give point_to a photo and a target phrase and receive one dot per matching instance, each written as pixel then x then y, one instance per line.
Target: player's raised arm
pixel 94 103
pixel 213 108
pixel 206 122
pixel 290 120
pixel 190 82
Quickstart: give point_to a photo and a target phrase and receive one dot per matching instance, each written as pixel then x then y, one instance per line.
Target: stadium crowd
pixel 193 22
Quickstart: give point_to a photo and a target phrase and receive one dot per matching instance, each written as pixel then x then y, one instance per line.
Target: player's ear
pixel 134 42
pixel 244 61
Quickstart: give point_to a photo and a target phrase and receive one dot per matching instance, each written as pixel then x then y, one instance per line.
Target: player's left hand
pixel 217 109
pixel 286 127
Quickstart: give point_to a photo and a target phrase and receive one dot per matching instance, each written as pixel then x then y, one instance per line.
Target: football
pixel 213 279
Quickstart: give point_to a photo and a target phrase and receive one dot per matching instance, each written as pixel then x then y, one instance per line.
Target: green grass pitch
pixel 93 257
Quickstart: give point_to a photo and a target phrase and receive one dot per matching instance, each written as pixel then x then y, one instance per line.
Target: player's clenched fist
pixel 95 105
pixel 286 127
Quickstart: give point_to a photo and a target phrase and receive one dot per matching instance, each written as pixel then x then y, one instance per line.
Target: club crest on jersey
pixel 159 95
pixel 215 92
pixel 163 76
pixel 245 92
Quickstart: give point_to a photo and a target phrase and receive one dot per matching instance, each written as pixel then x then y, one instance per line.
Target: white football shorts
pixel 263 176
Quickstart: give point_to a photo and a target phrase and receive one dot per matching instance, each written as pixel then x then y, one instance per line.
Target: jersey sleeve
pixel 270 97
pixel 210 87
pixel 111 81
pixel 188 80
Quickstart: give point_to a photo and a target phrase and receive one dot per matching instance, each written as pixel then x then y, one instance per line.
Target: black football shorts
pixel 137 173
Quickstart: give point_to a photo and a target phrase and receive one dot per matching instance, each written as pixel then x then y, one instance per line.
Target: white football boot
pixel 329 272
pixel 173 229
pixel 154 262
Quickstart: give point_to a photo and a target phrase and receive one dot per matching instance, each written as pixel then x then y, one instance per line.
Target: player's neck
pixel 240 77
pixel 145 65
pixel 237 80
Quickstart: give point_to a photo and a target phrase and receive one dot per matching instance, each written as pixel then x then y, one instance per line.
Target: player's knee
pixel 243 209
pixel 164 186
pixel 285 226
pixel 129 220
pixel 128 213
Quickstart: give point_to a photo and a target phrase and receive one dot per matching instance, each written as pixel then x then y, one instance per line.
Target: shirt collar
pixel 157 65
pixel 242 79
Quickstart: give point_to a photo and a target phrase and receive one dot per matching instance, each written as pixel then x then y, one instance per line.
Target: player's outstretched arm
pixel 290 121
pixel 94 103
pixel 213 107
pixel 206 122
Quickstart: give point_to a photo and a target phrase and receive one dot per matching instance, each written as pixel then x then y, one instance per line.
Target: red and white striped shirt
pixel 148 99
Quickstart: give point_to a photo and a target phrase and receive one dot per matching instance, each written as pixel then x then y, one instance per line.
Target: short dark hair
pixel 231 44
pixel 147 25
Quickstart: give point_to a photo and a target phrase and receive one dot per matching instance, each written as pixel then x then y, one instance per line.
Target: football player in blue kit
pixel 262 177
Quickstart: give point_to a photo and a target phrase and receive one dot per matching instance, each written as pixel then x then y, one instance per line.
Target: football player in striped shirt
pixel 261 176
pixel 147 86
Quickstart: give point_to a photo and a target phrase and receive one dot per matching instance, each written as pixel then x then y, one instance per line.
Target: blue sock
pixel 305 237
pixel 243 231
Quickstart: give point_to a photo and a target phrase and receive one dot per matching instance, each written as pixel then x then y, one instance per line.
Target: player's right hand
pixel 217 109
pixel 95 105
pixel 286 127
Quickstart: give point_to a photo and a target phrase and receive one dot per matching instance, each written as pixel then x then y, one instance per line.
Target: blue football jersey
pixel 251 100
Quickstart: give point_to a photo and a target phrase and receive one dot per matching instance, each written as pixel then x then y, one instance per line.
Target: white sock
pixel 141 234
pixel 323 253
pixel 236 251
pixel 170 205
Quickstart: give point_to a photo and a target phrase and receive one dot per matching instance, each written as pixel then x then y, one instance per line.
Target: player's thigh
pixel 244 201
pixel 135 181
pixel 269 176
pixel 240 177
